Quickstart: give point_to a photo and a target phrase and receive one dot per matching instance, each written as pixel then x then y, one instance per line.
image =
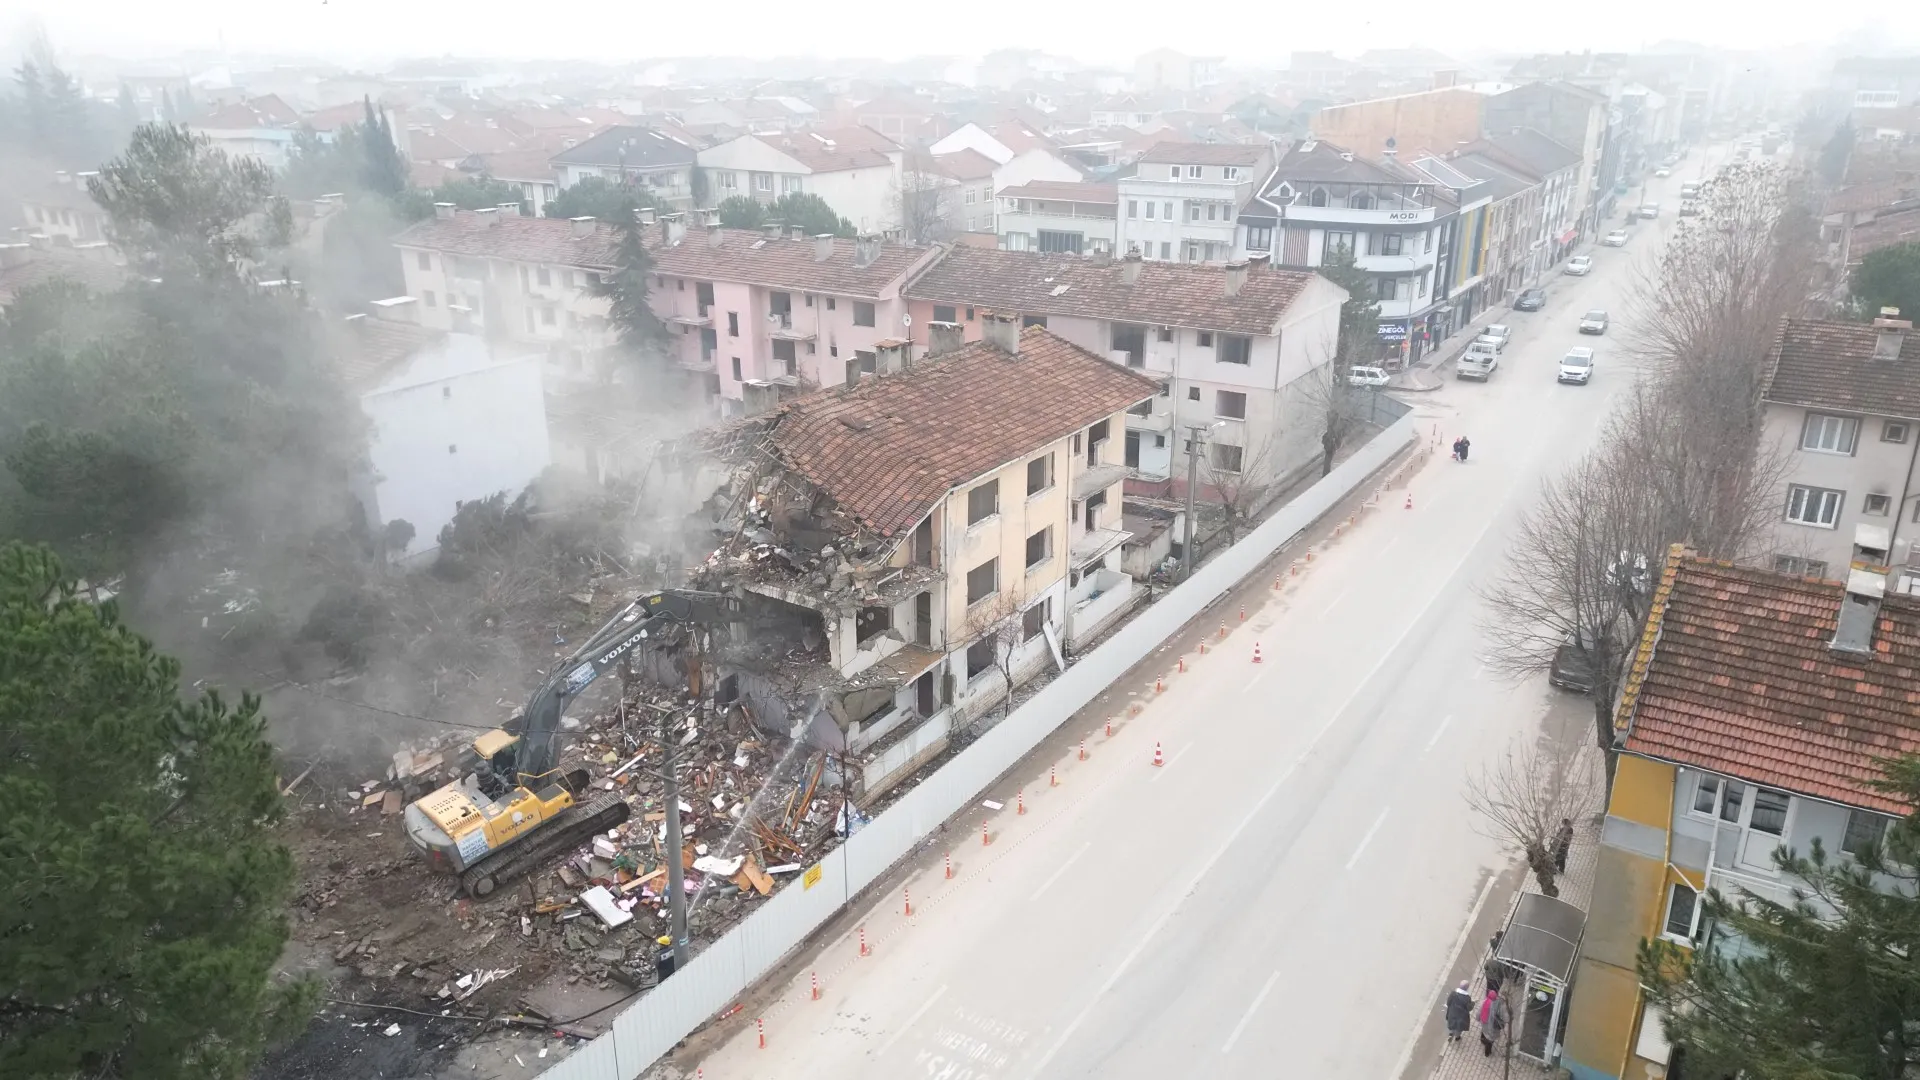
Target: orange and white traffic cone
pixel 1020 802
pixel 1053 776
pixel 816 986
pixel 1083 749
pixel 985 837
pixel 1256 652
pixel 1159 758
pixel 1183 664
pixel 949 866
pixel 1409 500
pixel 1159 684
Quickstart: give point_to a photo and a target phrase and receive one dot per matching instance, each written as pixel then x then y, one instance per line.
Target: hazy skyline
pixel 361 32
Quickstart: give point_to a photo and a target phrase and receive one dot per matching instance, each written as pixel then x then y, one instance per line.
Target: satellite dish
pixel 906 320
pixel 1392 142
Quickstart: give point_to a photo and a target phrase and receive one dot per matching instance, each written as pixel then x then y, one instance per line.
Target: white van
pixel 1477 362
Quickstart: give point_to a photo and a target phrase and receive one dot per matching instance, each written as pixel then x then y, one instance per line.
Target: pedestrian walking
pixel 1459 1010
pixel 1562 844
pixel 1496 973
pixel 1494 1025
pixel 1486 1005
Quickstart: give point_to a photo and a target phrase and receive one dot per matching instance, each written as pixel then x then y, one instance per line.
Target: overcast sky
pixel 367 31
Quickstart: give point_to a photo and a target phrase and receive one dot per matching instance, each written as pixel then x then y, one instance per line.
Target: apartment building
pixel 970 206
pixel 854 169
pixel 1182 201
pixel 63 209
pixel 1063 218
pixel 632 155
pixel 1460 273
pixel 260 128
pixel 1576 120
pixel 1556 169
pixel 1753 718
pixel 967 505
pixel 1517 227
pixel 1234 350
pixel 1842 404
pixel 1393 220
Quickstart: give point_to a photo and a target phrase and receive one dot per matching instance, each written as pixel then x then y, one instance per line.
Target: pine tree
pixel 142 891
pixel 1826 988
pixel 385 172
pixel 175 199
pixel 640 331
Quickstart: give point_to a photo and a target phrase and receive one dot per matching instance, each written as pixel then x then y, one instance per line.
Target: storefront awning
pixel 1568 236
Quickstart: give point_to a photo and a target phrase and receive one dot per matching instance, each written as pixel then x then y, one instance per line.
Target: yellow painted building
pixel 1751 715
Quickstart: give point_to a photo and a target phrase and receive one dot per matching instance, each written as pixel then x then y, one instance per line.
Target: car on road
pixel 1574 663
pixel 1477 362
pixel 1689 189
pixel 1616 238
pixel 1366 376
pixel 1498 333
pixel 1663 172
pixel 1594 322
pixel 1579 266
pixel 1650 210
pixel 1577 365
pixel 1530 300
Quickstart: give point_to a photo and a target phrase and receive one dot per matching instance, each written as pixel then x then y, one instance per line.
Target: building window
pixel 427 297
pixel 1340 241
pixel 1204 339
pixel 1165 334
pixel 862 313
pixel 1193 211
pixel 967 197
pixel 1166 209
pixel 1235 349
pixel 1033 621
pixel 1731 799
pixel 1770 811
pixel 1193 172
pixel 1830 434
pixel 1706 794
pixel 1032 320
pixel 1231 404
pixel 546 316
pixel 1894 431
pixel 1150 210
pixel 1039 547
pixel 1226 458
pixel 943 313
pixel 1864 830
pixel 1166 250
pixel 979 658
pixel 1039 474
pixel 870 622
pixel 733 324
pixel 543 277
pixel 1798 567
pixel 1876 505
pixel 426 261
pixel 736 369
pixel 730 181
pixel 1133 208
pixel 1390 244
pixel 1429 240
pixel 1681 902
pixel 983 502
pixel 1229 172
pixel 1193 393
pixel 1259 238
pixel 1819 507
pixel 983 581
pixel 763 181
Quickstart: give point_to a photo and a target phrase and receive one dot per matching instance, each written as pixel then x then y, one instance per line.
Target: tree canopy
pixel 640 331
pixel 359 158
pixel 142 891
pixel 46 116
pixel 178 203
pixel 1889 277
pixel 810 212
pixel 601 198
pixel 1359 315
pixel 1827 988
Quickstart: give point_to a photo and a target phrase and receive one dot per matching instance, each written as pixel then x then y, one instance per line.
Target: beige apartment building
pixel 1842 403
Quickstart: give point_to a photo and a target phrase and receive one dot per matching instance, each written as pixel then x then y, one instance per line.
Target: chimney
pixel 674 227
pixel 646 215
pixel 797 233
pixel 399 309
pixel 715 237
pixel 509 209
pixel 582 226
pixel 774 230
pixel 490 215
pixel 12 255
pixel 1866 588
pixel 891 356
pixel 1259 264
pixel 1130 267
pixel 823 247
pixel 865 250
pixel 1236 278
pixel 443 211
pixel 1001 331
pixel 944 337
pixel 1890 333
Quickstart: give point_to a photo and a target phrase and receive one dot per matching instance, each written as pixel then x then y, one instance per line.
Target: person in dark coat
pixel 1459 1012
pixel 1562 843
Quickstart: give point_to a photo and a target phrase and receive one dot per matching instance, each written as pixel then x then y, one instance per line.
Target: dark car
pixel 1573 665
pixel 1530 300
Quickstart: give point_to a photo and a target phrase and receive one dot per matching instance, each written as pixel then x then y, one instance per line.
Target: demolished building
pixel 946 528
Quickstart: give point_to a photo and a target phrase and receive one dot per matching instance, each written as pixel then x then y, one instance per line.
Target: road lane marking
pixel 1448 719
pixel 1171 758
pixel 1336 602
pixel 1440 980
pixel 1255 681
pixel 1220 852
pixel 1251 1009
pixel 1368 839
pixel 1389 545
pixel 1047 884
pixel 911 1020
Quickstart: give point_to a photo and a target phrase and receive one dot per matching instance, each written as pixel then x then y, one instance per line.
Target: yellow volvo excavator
pixel 511 809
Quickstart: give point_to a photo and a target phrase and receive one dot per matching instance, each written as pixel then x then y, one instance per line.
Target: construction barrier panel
pixel 653 1025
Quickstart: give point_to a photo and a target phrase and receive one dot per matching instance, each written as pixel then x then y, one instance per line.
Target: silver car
pixel 1577 365
pixel 1497 333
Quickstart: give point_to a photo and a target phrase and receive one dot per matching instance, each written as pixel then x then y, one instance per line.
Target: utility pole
pixel 1195 433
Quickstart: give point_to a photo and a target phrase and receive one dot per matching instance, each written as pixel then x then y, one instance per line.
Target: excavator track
pixel 568 828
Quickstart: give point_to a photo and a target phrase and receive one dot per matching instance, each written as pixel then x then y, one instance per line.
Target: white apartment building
pixel 1182 201
pixel 1843 404
pixel 1048 216
pixel 632 155
pixel 854 169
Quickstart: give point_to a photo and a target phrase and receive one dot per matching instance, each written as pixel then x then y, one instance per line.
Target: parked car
pixel 1530 300
pixel 1690 208
pixel 1499 333
pixel 1577 365
pixel 1478 362
pixel 1594 322
pixel 1663 172
pixel 1366 376
pixel 1573 664
pixel 1616 238
pixel 1650 210
pixel 1579 266
pixel 1689 189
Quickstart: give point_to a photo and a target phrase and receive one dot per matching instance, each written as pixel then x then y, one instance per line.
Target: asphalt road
pixel 1280 897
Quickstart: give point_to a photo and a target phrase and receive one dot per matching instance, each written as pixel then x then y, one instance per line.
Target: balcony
pixel 1394 264
pixel 1341 215
pixel 702 319
pixel 780 328
pixel 1154 421
pixel 702 364
pixel 1064 210
pixel 1098 478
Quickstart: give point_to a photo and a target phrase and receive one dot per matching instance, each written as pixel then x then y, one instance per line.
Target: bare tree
pixel 1241 477
pixel 997 624
pixel 1528 797
pixel 1338 408
pixel 924 199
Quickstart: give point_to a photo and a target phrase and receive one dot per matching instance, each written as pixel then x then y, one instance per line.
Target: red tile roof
pixel 889 448
pixel 520 239
pixel 1885 230
pixel 1190 153
pixel 1855 198
pixel 965 164
pixel 1166 293
pixel 371 347
pixel 42 266
pixel 1829 365
pixel 830 149
pixel 1064 191
pixel 1734 676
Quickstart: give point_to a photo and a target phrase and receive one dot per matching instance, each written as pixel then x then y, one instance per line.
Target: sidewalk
pixel 1463 1060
